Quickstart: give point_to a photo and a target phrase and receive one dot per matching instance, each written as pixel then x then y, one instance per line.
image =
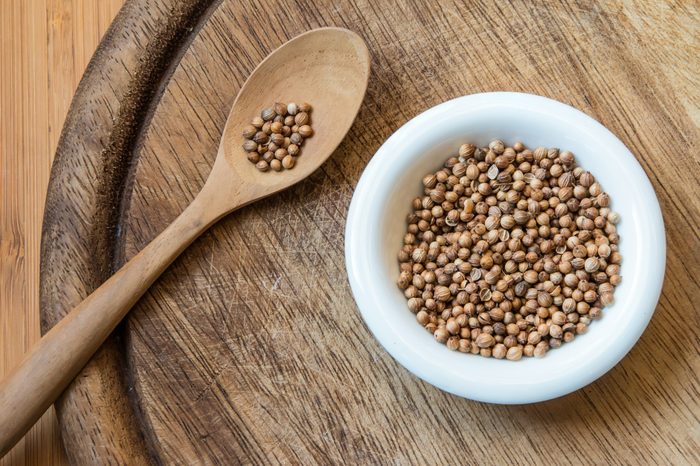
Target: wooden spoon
pixel 328 68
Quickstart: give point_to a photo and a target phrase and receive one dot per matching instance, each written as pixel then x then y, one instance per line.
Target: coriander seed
pixel 250 146
pixel 301 118
pixel 288 162
pixel 296 138
pixel 484 340
pixel 275 137
pixel 514 353
pixel 249 131
pixel 509 252
pixel 280 109
pixel 306 131
pixel 441 334
pixel 260 137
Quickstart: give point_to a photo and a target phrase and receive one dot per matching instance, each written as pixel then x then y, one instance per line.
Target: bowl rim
pixel 359 266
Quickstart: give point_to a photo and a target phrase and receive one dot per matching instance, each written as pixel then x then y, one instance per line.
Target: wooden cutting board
pixel 250 349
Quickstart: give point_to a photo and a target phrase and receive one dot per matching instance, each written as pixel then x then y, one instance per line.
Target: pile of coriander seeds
pixel 510 251
pixel 274 139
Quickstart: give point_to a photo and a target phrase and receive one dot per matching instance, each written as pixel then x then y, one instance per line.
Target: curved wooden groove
pixel 113 162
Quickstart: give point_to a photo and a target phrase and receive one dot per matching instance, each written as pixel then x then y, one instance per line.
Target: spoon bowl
pixel 327 67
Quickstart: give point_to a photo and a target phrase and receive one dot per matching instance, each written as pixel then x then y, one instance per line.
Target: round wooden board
pixel 249 348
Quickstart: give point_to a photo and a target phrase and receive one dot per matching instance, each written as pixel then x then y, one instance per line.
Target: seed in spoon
pixel 288 162
pixel 306 131
pixel 249 131
pixel 274 138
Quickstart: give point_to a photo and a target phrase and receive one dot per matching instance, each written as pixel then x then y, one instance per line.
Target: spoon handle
pixel 28 390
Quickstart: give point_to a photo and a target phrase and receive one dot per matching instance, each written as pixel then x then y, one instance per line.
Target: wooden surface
pixel 250 347
pixel 46 45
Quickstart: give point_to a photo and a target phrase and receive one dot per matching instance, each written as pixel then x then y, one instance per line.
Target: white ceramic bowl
pixel 376 225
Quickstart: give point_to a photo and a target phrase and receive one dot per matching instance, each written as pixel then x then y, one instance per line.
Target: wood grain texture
pixel 249 348
pixel 46 45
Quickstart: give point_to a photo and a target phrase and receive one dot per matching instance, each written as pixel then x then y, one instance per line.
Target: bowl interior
pixel 393 179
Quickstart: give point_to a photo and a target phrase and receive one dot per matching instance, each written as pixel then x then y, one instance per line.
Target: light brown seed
pixel 306 131
pixel 441 334
pixel 521 217
pixel 566 180
pixel 452 343
pixel 497 146
pixel 591 265
pixel 607 299
pixel 555 331
pixel 301 119
pixel 280 108
pixel 249 131
pixel 484 340
pixel 442 293
pixel 507 222
pixel 453 327
pixel 559 318
pixel 277 139
pixel 514 353
pixel 260 137
pixel 499 351
pixel 541 349
pixel 280 153
pixel 467 150
pixel 250 146
pixel 472 172
pixel 288 162
pixel 296 138
pixel 423 318
pixel 257 122
pixel 586 179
